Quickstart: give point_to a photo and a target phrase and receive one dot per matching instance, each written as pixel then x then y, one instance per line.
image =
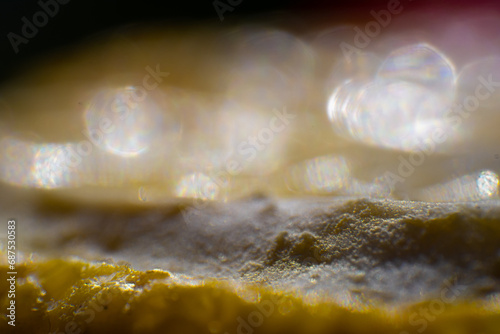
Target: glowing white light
pixel 36 165
pixel 402 106
pixel 359 67
pixel 391 114
pixel 487 184
pixel 197 185
pixel 327 173
pixel 123 121
pixel 322 174
pixel 50 168
pixel 470 187
pixel 331 174
pixel 419 63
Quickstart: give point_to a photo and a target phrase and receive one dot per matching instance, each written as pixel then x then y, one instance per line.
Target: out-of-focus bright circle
pixel 342 103
pixel 476 186
pixel 325 174
pixel 39 165
pixel 50 168
pixel 197 185
pixel 419 63
pixel 487 184
pixel 400 115
pixel 400 107
pixel 124 121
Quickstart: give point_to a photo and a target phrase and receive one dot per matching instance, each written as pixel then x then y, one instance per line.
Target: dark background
pixel 79 19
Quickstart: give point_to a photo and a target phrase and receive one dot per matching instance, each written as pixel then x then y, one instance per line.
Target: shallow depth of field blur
pixel 402 106
pixel 198 169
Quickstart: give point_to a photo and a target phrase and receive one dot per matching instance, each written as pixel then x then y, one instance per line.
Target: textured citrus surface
pixel 60 296
pixel 260 265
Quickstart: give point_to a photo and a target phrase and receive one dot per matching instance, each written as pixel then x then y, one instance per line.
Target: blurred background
pixel 359 106
pixel 80 20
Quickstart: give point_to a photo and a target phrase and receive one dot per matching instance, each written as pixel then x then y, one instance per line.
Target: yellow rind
pixel 71 296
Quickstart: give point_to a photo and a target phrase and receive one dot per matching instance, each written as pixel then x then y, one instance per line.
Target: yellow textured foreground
pixel 67 296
